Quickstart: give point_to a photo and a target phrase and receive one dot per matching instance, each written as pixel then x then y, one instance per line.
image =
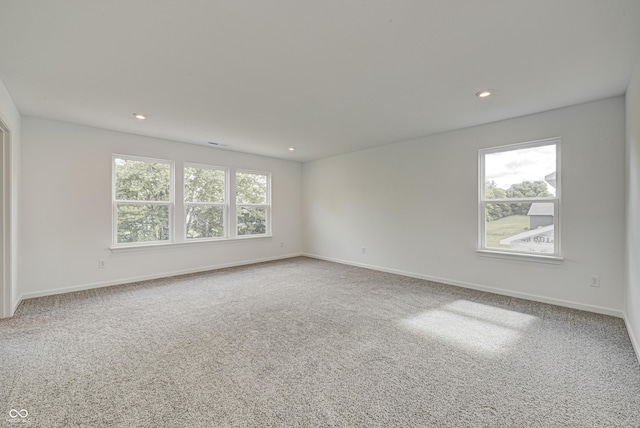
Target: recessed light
pixel 483 93
pixel 139 116
pixel 292 149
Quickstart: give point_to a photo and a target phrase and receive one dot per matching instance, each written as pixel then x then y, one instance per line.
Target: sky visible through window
pixel 515 166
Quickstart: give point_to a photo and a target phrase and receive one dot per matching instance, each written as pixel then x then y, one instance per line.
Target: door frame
pixel 6 300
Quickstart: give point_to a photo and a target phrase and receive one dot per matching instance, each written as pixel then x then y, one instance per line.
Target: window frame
pixel 115 202
pixel 178 206
pixel 224 204
pixel 555 200
pixel 237 206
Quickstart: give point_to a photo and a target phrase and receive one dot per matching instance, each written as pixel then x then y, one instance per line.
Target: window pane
pixel 251 188
pixel 521 173
pixel 520 227
pixel 252 220
pixel 203 185
pixel 143 223
pixel 141 180
pixel 205 222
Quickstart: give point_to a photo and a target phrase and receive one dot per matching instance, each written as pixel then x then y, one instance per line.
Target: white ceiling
pixel 326 77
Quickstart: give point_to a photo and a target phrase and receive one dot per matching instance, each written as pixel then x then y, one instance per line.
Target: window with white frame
pixel 205 201
pixel 253 203
pixel 519 198
pixel 142 200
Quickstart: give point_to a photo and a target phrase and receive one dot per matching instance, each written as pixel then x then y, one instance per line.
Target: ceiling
pixel 326 77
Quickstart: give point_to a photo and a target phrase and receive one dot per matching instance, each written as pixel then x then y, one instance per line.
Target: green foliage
pixel 492 191
pixel 142 181
pixel 143 223
pixel 252 220
pixel 495 211
pixel 526 189
pixel 204 185
pixel 204 195
pixel 205 221
pixel 251 188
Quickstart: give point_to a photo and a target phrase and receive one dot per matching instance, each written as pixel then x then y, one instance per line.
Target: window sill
pixel 534 258
pixel 171 245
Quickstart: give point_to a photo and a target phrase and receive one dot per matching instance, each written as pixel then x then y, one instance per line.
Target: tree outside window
pixel 142 200
pixel 205 201
pixel 252 203
pixel 519 198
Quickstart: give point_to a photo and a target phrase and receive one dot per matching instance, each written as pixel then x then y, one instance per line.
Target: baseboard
pixel 633 336
pixel 13 306
pixel 479 287
pixel 130 280
pixel 16 304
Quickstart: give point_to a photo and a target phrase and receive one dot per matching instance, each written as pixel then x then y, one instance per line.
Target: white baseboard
pixel 130 280
pixel 633 335
pixel 473 286
pixel 13 306
pixel 16 304
pixel 479 287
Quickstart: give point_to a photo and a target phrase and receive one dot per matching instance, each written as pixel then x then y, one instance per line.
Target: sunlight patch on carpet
pixel 472 326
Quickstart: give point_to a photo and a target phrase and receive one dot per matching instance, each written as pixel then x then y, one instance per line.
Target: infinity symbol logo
pixel 15 413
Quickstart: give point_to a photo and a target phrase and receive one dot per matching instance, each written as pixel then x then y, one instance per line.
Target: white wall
pixel 413 206
pixel 66 209
pixel 11 118
pixel 632 309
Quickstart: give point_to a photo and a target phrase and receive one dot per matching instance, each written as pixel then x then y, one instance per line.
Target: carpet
pixel 308 343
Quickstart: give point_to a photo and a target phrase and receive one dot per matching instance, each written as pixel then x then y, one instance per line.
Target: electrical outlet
pixel 281 244
pixel 364 250
pixel 594 281
pixel 102 264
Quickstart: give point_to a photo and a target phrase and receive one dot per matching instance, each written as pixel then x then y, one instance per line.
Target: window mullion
pixel 122 202
pixel 204 204
pixel 233 206
pixel 520 200
pixel 179 232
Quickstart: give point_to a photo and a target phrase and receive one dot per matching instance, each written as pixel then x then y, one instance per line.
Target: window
pixel 142 200
pixel 253 203
pixel 519 201
pixel 213 202
pixel 205 201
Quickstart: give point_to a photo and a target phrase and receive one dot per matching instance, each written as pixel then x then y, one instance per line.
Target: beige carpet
pixel 305 343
